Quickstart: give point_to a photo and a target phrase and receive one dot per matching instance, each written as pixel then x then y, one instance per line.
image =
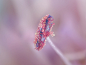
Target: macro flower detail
pixel 43 31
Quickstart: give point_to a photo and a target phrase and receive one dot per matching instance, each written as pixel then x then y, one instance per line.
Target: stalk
pixel 66 61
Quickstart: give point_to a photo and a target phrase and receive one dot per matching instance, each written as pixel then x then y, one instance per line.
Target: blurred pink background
pixel 19 20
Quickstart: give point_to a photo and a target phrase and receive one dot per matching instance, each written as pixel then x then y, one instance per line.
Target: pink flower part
pixel 43 31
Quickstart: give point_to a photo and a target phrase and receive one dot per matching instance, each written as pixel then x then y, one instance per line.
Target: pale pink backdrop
pixel 18 23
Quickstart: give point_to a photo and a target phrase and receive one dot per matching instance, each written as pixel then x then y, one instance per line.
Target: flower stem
pixel 66 61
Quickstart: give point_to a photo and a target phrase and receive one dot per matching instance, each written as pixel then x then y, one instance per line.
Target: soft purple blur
pixel 19 20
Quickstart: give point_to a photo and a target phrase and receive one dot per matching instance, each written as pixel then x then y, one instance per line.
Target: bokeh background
pixel 19 20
